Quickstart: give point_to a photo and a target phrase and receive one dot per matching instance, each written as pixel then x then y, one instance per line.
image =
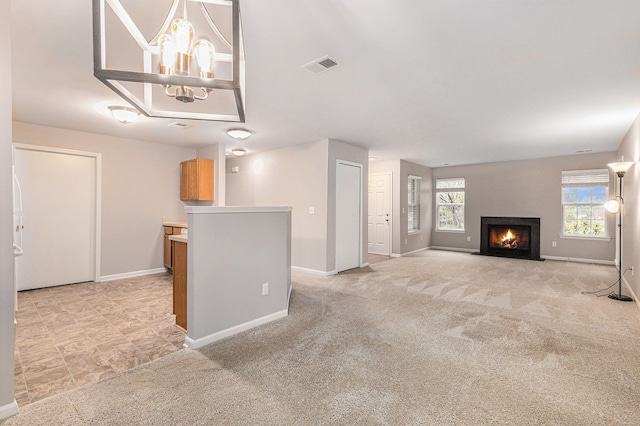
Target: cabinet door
pixel 180 283
pixel 203 174
pixel 184 180
pixel 167 252
pixel 196 180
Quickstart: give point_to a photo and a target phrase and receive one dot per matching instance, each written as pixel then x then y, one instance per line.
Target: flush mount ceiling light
pixel 124 114
pixel 239 152
pixel 155 74
pixel 239 133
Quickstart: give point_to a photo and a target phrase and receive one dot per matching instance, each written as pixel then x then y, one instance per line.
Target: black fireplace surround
pixel 516 237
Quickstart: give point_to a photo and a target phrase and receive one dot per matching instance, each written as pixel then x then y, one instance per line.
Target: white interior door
pixel 379 214
pixel 348 215
pixel 59 218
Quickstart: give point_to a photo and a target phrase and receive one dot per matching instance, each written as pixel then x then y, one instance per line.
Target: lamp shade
pixel 621 167
pixel 612 206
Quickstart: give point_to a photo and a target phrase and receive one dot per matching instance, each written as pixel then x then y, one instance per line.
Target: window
pixel 584 193
pixel 450 204
pixel 413 212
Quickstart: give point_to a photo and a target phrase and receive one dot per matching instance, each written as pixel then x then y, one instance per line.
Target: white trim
pixel 365 264
pixel 464 250
pixel 313 271
pixel 633 294
pixel 410 252
pixel 579 260
pixel 225 209
pixel 587 237
pixel 360 250
pixel 132 274
pixel 9 410
pixel 211 338
pixel 97 217
pixel 395 255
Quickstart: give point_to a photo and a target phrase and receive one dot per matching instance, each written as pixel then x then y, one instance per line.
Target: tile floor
pixel 72 335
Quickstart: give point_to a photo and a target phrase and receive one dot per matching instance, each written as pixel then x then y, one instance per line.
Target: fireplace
pixel 517 237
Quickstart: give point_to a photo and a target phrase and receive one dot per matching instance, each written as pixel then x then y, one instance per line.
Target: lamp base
pixel 620 297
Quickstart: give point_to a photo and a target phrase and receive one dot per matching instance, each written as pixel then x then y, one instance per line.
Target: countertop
pixel 174 222
pixel 181 238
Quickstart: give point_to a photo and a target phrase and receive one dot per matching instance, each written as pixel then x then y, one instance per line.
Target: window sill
pixel 587 238
pixel 419 231
pixel 455 231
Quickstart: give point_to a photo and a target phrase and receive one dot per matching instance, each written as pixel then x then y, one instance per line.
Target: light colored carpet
pixel 438 338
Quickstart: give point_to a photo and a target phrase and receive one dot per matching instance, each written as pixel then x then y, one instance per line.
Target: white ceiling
pixel 430 81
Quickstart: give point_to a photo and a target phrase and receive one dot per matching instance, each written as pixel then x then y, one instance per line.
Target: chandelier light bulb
pixel 167 54
pixel 204 52
pixel 182 32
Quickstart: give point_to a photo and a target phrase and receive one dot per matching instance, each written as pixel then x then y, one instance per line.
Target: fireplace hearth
pixel 516 237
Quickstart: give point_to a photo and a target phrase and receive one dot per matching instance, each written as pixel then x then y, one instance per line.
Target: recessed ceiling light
pixel 124 114
pixel 178 125
pixel 373 158
pixel 239 133
pixel 239 152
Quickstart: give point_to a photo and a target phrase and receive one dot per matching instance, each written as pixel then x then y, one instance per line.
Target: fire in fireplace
pixel 510 237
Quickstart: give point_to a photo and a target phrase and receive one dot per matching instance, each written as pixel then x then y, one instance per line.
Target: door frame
pixel 97 216
pixel 360 220
pixel 390 242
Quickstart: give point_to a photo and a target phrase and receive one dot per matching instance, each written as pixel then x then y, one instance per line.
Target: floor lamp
pixel 615 206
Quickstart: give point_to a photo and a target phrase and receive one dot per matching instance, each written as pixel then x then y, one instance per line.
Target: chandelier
pixel 185 63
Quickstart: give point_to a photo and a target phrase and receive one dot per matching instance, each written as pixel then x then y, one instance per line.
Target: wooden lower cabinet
pixel 180 283
pixel 168 248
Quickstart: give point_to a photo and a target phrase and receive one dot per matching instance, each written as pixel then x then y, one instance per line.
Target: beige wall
pixel 140 186
pixel 630 149
pixel 295 176
pixel 529 188
pixel 215 152
pixel 303 177
pixel 400 171
pixel 7 330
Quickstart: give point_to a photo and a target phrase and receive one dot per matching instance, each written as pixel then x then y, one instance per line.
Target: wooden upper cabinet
pixel 196 180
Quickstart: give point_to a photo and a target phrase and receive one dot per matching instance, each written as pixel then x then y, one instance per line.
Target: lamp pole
pixel 620 296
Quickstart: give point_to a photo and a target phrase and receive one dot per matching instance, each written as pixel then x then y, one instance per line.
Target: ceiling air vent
pixel 321 65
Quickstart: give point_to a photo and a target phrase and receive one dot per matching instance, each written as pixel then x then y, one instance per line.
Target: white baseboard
pixel 313 271
pixel 463 250
pixel 203 341
pixel 579 260
pixel 132 274
pixel 631 292
pixel 409 252
pixel 9 410
pixel 364 265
